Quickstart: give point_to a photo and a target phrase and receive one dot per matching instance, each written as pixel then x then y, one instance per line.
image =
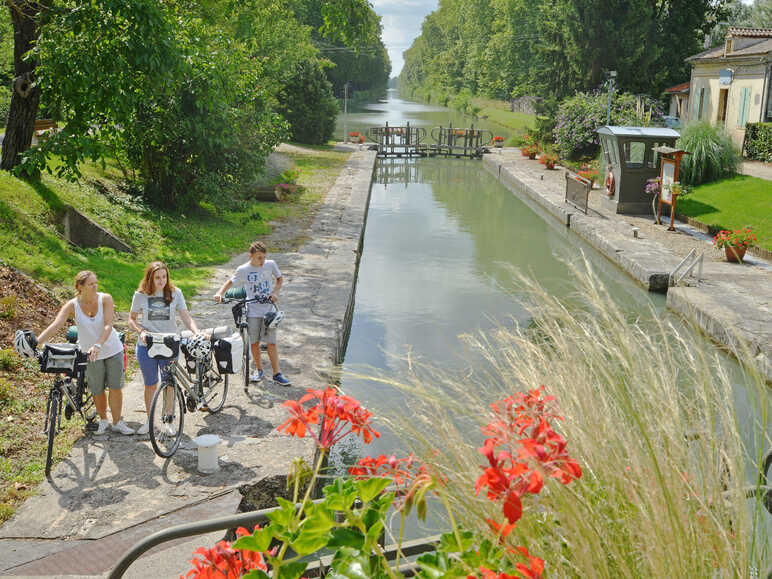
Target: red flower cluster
pixel 411 482
pixel 528 448
pixel 392 467
pixel 532 570
pixel 224 562
pixel 341 416
pixel 735 238
pixel 521 448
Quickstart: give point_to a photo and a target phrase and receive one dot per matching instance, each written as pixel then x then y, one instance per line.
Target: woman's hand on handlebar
pixel 217 298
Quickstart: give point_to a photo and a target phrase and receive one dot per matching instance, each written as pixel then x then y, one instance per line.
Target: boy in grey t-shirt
pixel 261 279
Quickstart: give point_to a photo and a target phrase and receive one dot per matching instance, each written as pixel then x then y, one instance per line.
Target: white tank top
pixel 90 329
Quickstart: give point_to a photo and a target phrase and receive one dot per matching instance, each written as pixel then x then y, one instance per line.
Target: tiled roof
pixel 761 47
pixel 750 32
pixel 683 87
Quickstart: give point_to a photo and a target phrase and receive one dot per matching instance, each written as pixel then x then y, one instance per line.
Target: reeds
pixel 648 413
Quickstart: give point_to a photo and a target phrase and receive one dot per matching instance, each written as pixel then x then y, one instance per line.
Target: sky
pixel 401 21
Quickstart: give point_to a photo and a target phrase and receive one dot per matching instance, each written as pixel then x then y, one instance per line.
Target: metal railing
pixel 248 520
pixel 688 264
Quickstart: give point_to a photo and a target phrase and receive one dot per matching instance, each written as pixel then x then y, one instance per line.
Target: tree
pixel 761 14
pixel 25 98
pixel 309 105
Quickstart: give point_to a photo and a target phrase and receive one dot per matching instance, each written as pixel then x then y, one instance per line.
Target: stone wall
pixel 83 232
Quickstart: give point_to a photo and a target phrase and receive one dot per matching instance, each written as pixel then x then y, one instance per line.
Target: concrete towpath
pixel 112 490
pixel 732 302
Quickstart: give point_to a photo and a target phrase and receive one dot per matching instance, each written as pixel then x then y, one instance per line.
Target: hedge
pixel 758 141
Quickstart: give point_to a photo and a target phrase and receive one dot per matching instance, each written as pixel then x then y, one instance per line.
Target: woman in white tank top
pixel 94 313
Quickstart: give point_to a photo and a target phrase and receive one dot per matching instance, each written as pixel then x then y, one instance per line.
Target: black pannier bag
pixel 229 354
pixel 190 361
pixel 61 359
pixel 163 346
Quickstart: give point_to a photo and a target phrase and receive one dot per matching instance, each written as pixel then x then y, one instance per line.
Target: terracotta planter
pixel 549 164
pixel 531 155
pixel 735 254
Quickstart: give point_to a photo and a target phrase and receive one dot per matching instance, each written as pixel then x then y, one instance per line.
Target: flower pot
pixel 498 144
pixel 735 254
pixel 549 164
pixel 531 156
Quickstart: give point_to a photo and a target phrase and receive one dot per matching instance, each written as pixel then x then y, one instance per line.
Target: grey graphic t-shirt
pixel 259 282
pixel 156 315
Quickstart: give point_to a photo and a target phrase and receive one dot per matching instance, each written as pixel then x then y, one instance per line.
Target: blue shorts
pixel 150 367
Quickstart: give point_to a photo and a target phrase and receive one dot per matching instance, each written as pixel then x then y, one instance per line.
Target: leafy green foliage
pixel 712 156
pixel 308 104
pixel 580 116
pixel 758 141
pixel 507 48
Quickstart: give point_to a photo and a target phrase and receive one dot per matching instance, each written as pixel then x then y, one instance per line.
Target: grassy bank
pixel 31 241
pixel 31 235
pixel 499 113
pixel 733 203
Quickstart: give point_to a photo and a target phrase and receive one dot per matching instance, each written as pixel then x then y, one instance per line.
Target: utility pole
pixel 611 76
pixel 345 112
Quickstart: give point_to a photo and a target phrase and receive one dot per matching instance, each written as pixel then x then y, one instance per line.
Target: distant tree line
pixel 189 97
pixel 554 48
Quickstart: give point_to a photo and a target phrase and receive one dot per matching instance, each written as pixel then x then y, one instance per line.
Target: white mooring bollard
pixel 207 452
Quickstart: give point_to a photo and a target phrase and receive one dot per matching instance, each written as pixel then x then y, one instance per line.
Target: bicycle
pixel 68 363
pixel 195 384
pixel 239 310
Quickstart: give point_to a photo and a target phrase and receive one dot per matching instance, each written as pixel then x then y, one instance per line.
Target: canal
pixel 443 243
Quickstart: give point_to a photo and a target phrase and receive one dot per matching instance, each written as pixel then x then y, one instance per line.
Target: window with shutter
pixel 745 101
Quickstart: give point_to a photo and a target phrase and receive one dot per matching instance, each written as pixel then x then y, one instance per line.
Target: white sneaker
pixel 257 376
pixel 169 428
pixel 103 426
pixel 144 429
pixel 123 428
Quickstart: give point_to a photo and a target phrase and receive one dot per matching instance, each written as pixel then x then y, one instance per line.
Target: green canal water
pixel 442 241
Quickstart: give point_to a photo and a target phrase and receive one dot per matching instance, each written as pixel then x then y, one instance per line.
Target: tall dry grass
pixel 647 407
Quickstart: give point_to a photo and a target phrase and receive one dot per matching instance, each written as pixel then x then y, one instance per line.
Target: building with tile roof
pixel 731 85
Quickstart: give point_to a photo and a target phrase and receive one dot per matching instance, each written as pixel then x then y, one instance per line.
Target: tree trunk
pixel 25 96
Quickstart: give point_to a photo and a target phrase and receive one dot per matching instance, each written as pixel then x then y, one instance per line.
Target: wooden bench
pixel 43 125
pixel 578 191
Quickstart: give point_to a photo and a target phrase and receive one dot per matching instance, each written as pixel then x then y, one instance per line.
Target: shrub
pixel 713 155
pixel 6 393
pixel 308 104
pixel 9 360
pixel 758 141
pixel 580 116
pixel 8 305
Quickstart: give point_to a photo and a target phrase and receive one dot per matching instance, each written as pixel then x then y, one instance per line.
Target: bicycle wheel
pixel 245 369
pixel 52 423
pixel 215 390
pixel 167 415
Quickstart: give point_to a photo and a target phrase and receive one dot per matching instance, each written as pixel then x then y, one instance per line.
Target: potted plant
pixel 734 243
pixel 549 160
pixel 531 151
pixel 589 173
pixel 498 142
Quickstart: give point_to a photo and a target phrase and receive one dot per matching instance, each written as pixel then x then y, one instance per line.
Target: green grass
pixel 31 238
pixel 733 203
pixel 499 113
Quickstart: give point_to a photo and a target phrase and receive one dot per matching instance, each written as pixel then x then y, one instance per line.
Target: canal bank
pixel 732 303
pixel 112 490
